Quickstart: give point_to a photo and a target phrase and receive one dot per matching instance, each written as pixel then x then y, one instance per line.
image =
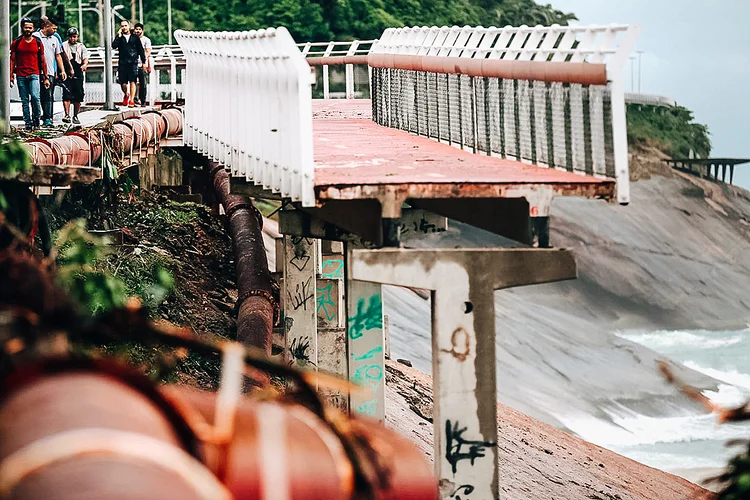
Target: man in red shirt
pixel 27 62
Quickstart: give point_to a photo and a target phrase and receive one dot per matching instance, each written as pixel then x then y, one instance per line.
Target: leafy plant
pixel 80 254
pixel 14 160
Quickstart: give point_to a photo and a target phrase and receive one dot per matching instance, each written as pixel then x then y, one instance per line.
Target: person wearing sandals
pixel 129 50
pixel 78 55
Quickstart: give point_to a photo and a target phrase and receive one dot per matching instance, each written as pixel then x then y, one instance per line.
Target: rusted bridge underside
pixel 373 170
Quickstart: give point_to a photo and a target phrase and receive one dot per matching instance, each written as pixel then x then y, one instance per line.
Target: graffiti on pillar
pixel 458 448
pixel 332 269
pixel 368 376
pixel 366 318
pixel 325 302
pixel 369 354
pixel 421 226
pixel 460 346
pixel 464 489
pixel 302 294
pixel 300 257
pixel 368 407
pixel 299 350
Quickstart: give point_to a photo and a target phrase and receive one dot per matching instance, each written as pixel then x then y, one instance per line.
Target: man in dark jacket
pixel 130 49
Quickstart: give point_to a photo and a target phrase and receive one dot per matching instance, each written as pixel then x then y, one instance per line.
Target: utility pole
pixel 5 66
pixel 169 20
pixel 632 73
pixel 640 52
pixel 108 76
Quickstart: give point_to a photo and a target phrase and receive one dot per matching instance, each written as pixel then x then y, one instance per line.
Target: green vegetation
pixel 671 130
pixel 93 279
pixel 321 20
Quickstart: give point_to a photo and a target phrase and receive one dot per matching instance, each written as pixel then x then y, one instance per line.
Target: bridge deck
pixel 356 158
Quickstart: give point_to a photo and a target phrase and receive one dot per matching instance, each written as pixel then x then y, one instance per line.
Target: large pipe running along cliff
pixel 85 148
pixel 72 429
pixel 258 308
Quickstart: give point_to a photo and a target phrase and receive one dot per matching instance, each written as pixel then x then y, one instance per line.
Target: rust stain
pixel 460 344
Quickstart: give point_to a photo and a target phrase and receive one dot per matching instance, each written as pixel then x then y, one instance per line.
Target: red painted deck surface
pixel 351 150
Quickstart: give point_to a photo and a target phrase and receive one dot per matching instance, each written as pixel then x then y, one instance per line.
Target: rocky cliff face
pixel 677 257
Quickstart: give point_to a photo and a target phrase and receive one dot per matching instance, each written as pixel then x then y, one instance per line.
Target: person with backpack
pixel 28 64
pixel 78 55
pixel 53 58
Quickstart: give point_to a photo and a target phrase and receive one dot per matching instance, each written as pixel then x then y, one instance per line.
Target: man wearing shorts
pixel 129 50
pixel 78 56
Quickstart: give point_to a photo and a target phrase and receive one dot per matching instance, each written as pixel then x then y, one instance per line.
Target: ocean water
pixel 683 442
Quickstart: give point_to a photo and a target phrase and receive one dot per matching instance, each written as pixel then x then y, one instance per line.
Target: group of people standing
pixel 40 61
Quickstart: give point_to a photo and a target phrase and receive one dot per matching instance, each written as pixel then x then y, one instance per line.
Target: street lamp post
pixel 4 66
pixel 108 75
pixel 632 73
pixel 169 20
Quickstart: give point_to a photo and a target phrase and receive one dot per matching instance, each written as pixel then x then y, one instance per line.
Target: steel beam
pixel 463 343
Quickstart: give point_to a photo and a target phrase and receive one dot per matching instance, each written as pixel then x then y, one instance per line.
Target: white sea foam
pixel 732 377
pixel 681 439
pixel 629 428
pixel 665 339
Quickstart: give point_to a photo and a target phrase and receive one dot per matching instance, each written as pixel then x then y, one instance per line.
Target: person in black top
pixel 130 49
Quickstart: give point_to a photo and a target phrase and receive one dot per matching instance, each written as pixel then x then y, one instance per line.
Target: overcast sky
pixel 697 52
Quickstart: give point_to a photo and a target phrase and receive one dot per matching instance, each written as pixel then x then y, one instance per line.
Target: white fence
pixel 248 106
pixel 558 120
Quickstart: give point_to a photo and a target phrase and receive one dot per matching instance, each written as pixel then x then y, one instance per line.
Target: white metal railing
pixel 356 85
pixel 312 50
pixel 248 106
pixel 573 126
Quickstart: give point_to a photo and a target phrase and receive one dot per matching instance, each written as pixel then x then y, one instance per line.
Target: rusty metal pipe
pixel 336 60
pixel 173 119
pixel 274 447
pixel 54 405
pixel 544 71
pixel 310 460
pixel 85 148
pixel 41 152
pixel 257 306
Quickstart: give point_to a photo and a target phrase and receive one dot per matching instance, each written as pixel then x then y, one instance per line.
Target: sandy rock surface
pixel 537 461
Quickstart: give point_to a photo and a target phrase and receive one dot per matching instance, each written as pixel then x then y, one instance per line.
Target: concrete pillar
pixel 463 344
pixel 731 172
pixel 331 312
pixel 299 293
pixel 366 346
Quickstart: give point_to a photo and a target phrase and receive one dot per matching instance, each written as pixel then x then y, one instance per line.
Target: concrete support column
pixel 331 311
pixel 463 345
pixel 299 293
pixel 366 342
